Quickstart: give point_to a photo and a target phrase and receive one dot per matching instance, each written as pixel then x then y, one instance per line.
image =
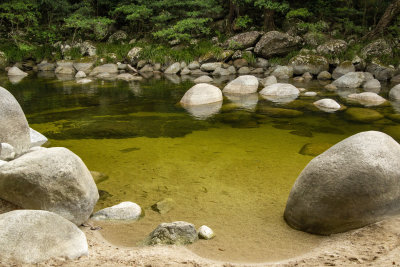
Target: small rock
pixel 327 105
pixel 270 80
pixel 164 206
pixel 210 67
pixel 125 211
pixel 84 81
pixel 330 87
pixel 206 232
pixel 394 93
pixel 176 233
pixel 194 65
pixel 307 76
pixel 298 79
pixel 314 149
pixel 372 86
pixel 80 74
pixel 244 70
pixel 324 76
pixel 311 94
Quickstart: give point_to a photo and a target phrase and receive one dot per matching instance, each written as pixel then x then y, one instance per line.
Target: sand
pixel 374 245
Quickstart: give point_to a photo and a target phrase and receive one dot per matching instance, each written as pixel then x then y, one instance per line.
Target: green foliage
pixel 278 6
pixel 243 22
pixel 316 27
pixel 301 13
pixel 184 30
pixel 249 57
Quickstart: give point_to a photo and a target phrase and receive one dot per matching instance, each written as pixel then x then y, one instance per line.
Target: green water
pixel 231 171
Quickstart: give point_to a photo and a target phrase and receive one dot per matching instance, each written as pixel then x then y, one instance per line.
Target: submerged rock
pixel 164 206
pixel 351 185
pixel 125 211
pixel 363 115
pixel 201 94
pixel 53 179
pixel 279 112
pixel 176 233
pixel 246 84
pixel 13 124
pixel 314 149
pixel 99 177
pixel 206 232
pixel 368 99
pixel 33 236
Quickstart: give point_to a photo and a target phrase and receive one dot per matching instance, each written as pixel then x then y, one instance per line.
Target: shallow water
pixel 232 171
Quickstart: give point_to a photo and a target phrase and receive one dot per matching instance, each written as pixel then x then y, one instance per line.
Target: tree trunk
pixel 391 12
pixel 269 23
pixel 231 16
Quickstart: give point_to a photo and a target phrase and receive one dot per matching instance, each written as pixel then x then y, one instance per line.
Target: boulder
pixel 201 94
pixel 240 62
pixel 261 63
pixel 244 71
pixel 65 70
pixel 334 47
pixel 210 67
pixel 377 48
pixel 243 40
pixel 350 80
pixel 176 233
pixel 6 152
pixel 53 179
pixel 106 68
pixel 396 79
pixel 368 99
pixel 324 76
pixel 80 74
pixel 269 81
pixel 33 236
pixel 134 54
pixel 15 71
pixel 118 37
pixel 327 105
pixel 352 184
pixel 45 66
pixel 363 115
pixel 206 232
pixel 87 49
pixel 203 79
pixel 127 77
pixel 86 67
pixel 283 72
pixel 380 71
pixel 344 68
pixel 372 86
pixel 13 124
pixel 194 65
pixel 280 90
pixel 246 84
pixel 313 64
pixel 37 139
pixel 221 72
pixel 125 211
pixel 394 93
pixel 84 81
pixel 173 69
pixel 276 43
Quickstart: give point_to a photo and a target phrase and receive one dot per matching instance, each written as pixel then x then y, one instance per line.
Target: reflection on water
pixel 231 170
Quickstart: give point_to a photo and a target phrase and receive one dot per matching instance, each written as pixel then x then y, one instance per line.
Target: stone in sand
pixel 176 233
pixel 125 211
pixel 206 232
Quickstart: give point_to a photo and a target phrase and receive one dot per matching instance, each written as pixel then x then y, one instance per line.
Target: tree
pixel 392 11
pixel 270 7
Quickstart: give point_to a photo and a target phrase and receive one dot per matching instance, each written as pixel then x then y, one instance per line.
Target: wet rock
pixel 394 93
pixel 15 71
pixel 86 67
pixel 80 74
pixel 298 79
pixel 206 232
pixel 203 112
pixel 106 68
pixel 280 90
pixel 276 43
pixel 310 94
pixel 377 48
pixel 125 211
pixel 53 179
pixel 203 79
pixel 283 72
pixel 307 76
pixel 13 124
pixel 7 152
pixel 221 72
pixel 164 206
pixel 324 76
pixel 99 177
pixel 128 77
pixel 243 40
pixel 202 93
pixel 33 236
pixel 194 65
pixel 84 81
pixel 351 185
pixel 270 80
pixel 327 105
pixel 37 139
pixel 176 233
pixel 279 112
pixel 372 86
pixel 364 115
pixel 330 87
pixel 380 71
pixel 350 80
pixel 314 149
pixel 332 47
pixel 344 68
pixel 368 99
pixel 45 66
pixel 210 67
pixel 396 79
pixel 313 64
pixel 246 84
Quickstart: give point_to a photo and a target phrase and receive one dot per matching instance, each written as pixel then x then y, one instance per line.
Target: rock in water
pixel 125 211
pixel 15 71
pixel 395 93
pixel 53 179
pixel 350 80
pixel 206 232
pixel 368 99
pixel 33 236
pixel 37 139
pixel 352 184
pixel 201 94
pixel 163 206
pixel 327 105
pixel 13 124
pixel 176 233
pixel 246 84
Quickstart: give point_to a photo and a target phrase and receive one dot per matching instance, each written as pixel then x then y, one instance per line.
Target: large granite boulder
pixel 276 43
pixel 380 71
pixel 332 47
pixel 344 68
pixel 352 184
pixel 173 68
pixel 243 40
pixel 283 72
pixel 350 80
pixel 33 236
pixel 246 84
pixel 313 64
pixel 377 48
pixel 280 93
pixel 201 94
pixel 106 68
pixel 53 179
pixel 15 71
pixel 13 124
